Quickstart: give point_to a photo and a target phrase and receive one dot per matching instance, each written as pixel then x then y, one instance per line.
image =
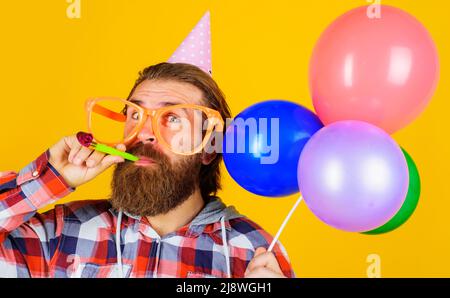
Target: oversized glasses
pixel 182 128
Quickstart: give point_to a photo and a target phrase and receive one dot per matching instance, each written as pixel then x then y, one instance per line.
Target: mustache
pixel 149 151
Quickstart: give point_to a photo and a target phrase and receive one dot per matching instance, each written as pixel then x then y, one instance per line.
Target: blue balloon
pixel 262 146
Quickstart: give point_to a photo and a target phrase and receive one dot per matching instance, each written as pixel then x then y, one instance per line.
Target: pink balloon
pixel 378 70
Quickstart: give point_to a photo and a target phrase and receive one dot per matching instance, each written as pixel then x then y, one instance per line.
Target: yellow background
pixel 50 64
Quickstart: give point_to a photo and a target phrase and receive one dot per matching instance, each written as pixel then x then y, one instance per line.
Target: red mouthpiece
pixel 85 138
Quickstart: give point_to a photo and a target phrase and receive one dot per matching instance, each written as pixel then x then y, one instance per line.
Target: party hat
pixel 196 48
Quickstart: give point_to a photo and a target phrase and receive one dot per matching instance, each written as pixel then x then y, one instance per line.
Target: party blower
pixel 86 140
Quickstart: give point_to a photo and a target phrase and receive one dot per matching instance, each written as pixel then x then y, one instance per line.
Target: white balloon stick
pixel 284 223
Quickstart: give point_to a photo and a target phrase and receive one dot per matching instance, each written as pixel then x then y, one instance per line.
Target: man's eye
pixel 173 119
pixel 135 116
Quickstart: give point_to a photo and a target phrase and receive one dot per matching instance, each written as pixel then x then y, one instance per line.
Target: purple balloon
pixel 353 176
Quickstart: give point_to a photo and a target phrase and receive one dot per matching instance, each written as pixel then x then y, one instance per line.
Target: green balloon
pixel 410 203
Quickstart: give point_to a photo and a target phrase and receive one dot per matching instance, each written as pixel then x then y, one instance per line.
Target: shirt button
pixel 35 173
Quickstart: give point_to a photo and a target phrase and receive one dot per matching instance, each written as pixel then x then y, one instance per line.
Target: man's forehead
pixel 155 94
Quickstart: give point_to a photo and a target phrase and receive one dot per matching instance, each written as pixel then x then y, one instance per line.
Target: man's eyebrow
pixel 164 103
pixel 136 101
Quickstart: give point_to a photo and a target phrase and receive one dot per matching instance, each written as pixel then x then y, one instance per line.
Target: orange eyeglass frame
pixel 215 121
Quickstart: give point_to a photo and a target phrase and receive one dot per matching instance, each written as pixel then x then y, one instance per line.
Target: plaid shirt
pixel 78 239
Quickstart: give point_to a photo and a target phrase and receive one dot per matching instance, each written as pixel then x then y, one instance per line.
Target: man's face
pixel 161 180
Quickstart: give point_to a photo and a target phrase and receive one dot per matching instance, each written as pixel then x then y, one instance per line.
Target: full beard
pixel 156 189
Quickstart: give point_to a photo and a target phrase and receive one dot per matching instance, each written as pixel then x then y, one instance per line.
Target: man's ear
pixel 207 158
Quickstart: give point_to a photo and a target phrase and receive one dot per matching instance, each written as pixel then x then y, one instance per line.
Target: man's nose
pixel 146 134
